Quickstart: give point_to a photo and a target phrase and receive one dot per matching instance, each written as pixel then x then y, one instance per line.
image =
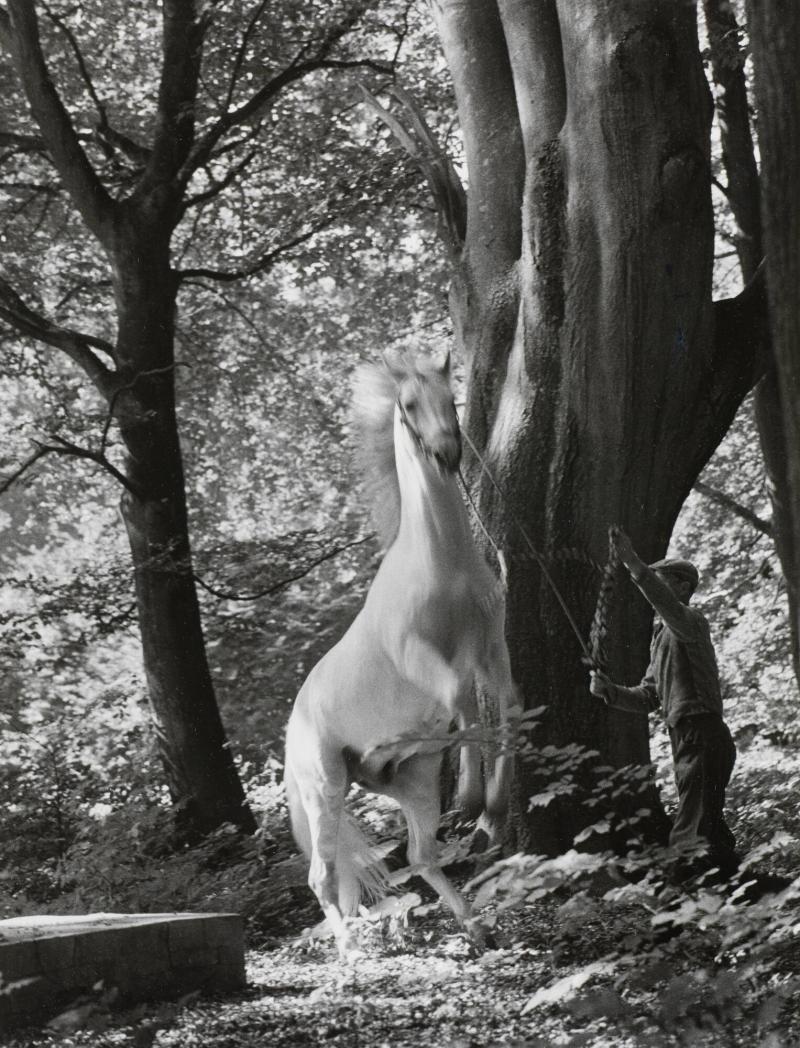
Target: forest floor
pixel 571 966
pixel 417 987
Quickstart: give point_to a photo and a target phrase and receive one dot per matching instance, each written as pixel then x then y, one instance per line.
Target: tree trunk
pixel 200 773
pixel 598 387
pixel 744 195
pixel 772 435
pixel 202 779
pixel 775 41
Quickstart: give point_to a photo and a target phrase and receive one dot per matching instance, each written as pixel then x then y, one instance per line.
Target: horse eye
pixel 410 404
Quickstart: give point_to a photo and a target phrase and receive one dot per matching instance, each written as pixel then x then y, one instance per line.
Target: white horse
pixel 432 625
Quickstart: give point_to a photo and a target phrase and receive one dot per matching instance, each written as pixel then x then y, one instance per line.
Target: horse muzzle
pixel 445 453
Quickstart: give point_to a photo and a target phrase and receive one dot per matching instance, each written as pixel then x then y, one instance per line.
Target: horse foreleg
pixel 428 670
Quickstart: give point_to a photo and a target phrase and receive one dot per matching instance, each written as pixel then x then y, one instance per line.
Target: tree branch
pixel 300 67
pixel 66 447
pixel 77 345
pixel 82 67
pixel 283 583
pixel 78 289
pixel 134 151
pixel 742 345
pixel 533 39
pixel 220 185
pixel 475 48
pixel 738 155
pixel 26 465
pixel 270 258
pixel 417 139
pixel 23 143
pixel 19 33
pixel 185 23
pixel 715 495
pixel 242 51
pixel 109 138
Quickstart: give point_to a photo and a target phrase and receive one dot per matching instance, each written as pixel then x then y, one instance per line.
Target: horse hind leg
pixel 317 813
pixel 495 677
pixel 470 780
pixel 416 789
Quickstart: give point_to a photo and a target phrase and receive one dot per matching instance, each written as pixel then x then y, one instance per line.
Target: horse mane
pixel 374 396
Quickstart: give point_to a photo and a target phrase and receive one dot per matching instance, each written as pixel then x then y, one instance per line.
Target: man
pixel 683 681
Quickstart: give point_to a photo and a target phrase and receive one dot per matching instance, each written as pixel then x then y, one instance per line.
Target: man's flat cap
pixel 684 569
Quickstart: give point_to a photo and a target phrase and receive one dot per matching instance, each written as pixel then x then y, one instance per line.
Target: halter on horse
pixel 432 626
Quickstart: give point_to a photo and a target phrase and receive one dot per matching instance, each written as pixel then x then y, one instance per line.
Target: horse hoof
pixel 479 935
pixel 349 950
pixel 496 802
pixel 481 841
pixel 471 806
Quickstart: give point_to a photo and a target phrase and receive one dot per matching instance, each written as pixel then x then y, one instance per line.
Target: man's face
pixel 677 584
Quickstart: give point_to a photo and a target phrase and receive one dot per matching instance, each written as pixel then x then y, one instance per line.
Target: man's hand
pixel 627 554
pixel 600 685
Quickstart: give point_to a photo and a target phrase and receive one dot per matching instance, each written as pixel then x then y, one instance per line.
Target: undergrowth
pixel 624 943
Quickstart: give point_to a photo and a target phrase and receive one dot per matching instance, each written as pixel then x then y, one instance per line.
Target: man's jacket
pixel 682 678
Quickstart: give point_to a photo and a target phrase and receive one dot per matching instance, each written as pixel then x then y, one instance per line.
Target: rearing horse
pixel 432 625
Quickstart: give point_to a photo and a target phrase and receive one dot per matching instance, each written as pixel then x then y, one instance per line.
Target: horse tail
pixel 361 873
pixel 298 819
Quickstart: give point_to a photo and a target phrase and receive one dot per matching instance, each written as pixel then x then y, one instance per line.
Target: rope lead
pixel 587 655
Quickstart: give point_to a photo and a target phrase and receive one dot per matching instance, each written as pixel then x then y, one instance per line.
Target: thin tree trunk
pixel 202 779
pixel 775 41
pixel 743 192
pixel 203 783
pixel 772 435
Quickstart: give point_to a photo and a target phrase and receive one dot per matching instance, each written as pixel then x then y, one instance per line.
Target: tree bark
pixel 202 780
pixel 201 776
pixel 744 196
pixel 738 156
pixel 602 376
pixel 774 448
pixel 775 41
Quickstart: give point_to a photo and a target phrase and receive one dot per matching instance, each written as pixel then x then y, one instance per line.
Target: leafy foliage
pixel 693 961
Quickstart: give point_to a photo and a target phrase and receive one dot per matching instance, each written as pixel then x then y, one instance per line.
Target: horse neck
pixel 433 517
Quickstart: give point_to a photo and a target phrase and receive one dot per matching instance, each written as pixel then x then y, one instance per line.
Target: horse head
pixel 426 410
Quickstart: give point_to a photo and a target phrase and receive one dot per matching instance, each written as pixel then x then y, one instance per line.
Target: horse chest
pixel 376 704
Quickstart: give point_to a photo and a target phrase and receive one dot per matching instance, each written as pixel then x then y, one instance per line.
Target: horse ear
pixel 395 364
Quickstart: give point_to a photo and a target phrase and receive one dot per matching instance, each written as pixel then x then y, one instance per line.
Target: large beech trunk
pixel 602 376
